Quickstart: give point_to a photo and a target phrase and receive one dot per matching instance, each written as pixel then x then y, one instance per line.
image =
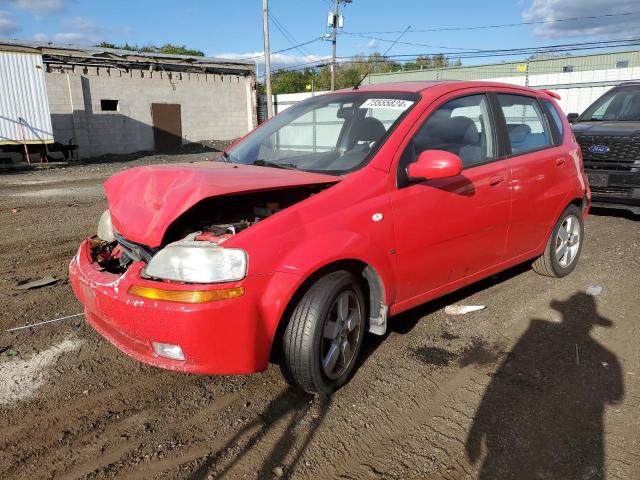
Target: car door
pixel 540 171
pixel 451 228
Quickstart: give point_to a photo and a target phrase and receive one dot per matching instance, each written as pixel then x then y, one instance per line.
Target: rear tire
pixel 324 335
pixel 563 248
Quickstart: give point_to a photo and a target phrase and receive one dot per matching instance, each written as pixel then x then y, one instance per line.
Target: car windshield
pixel 620 104
pixel 335 133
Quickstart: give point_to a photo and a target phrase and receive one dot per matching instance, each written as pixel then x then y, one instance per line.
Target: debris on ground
pixel 8 351
pixel 41 282
pixel 43 323
pixel 594 290
pixel 462 309
pixel 278 471
pixel 14 210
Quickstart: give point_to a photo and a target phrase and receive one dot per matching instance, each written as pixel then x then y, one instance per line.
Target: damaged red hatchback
pixel 324 221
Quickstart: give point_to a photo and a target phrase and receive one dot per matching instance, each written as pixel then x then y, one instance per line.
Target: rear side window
pixel 527 128
pixel 555 120
pixel 461 126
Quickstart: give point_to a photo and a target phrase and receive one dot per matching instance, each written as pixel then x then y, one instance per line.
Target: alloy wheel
pixel 342 334
pixel 567 241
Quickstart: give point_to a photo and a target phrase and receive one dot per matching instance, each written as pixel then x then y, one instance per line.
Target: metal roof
pixel 84 53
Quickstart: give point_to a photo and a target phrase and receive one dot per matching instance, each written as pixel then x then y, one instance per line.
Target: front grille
pixel 623 154
pixel 613 192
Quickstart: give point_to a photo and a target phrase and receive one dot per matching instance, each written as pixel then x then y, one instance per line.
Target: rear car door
pixel 540 171
pixel 451 228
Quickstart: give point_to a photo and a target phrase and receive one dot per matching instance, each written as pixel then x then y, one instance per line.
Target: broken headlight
pixel 198 262
pixel 105 228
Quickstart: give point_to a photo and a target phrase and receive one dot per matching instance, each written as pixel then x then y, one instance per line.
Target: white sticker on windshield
pixel 390 103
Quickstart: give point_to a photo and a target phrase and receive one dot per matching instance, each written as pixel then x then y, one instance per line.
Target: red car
pixel 315 228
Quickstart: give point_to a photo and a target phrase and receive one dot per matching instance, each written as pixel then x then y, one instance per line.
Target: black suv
pixel 609 134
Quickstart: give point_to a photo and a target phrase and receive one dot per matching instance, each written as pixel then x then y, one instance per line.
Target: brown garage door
pixel 167 126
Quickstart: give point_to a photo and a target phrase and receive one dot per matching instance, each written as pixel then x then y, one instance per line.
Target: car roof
pixel 632 83
pixel 421 86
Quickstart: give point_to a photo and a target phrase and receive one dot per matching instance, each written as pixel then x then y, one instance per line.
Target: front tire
pixel 324 335
pixel 563 248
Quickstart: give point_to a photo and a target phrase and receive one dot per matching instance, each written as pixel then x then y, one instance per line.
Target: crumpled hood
pixel 144 201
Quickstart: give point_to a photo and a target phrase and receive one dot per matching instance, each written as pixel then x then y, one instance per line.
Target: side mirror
pixel 572 117
pixel 433 164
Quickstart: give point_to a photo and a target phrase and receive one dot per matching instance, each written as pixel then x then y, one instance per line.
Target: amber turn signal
pixel 186 296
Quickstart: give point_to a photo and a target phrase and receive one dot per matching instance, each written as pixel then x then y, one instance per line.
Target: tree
pixel 350 72
pixel 167 48
pixel 292 81
pixel 424 62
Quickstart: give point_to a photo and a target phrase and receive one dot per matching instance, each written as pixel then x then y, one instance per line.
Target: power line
pixel 284 49
pixel 538 50
pixel 485 53
pixel 290 38
pixel 406 43
pixel 505 25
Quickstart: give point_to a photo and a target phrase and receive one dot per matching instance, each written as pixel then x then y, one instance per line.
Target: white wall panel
pixel 24 107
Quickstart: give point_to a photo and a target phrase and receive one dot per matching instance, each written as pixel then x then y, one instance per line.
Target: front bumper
pixel 615 189
pixel 231 336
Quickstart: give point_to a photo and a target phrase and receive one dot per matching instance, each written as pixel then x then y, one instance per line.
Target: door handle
pixel 496 180
pixel 560 161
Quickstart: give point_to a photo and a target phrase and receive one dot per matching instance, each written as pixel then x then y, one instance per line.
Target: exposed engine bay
pixel 213 220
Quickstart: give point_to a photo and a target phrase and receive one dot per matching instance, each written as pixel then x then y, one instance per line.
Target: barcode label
pixel 388 103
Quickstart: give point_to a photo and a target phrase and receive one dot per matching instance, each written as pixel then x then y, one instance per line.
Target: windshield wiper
pixel 265 163
pixel 224 157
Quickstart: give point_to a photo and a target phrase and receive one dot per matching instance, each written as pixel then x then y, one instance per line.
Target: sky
pixel 234 29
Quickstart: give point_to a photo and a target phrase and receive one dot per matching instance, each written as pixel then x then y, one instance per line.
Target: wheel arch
pixel 579 201
pixel 371 281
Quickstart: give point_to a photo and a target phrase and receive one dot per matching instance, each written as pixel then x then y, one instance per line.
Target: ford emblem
pixel 598 149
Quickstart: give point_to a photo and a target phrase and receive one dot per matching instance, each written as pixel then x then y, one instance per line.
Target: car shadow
pixel 614 212
pixel 406 321
pixel 541 415
pixel 292 441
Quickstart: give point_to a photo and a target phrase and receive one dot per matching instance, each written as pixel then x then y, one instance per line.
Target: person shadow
pixel 541 417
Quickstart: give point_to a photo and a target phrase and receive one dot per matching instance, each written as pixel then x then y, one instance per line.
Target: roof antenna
pixel 357 85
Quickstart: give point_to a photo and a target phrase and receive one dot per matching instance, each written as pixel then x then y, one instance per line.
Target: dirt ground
pixel 541 384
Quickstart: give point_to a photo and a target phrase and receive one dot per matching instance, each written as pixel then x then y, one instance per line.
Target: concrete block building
pixel 110 101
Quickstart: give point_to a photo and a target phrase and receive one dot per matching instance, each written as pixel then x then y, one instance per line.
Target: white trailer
pixel 24 107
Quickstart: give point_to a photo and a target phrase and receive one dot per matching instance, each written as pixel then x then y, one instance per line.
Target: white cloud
pixel 373 44
pixel 7 25
pixel 71 38
pixel 278 60
pixel 625 26
pixel 79 23
pixel 37 7
pixel 75 38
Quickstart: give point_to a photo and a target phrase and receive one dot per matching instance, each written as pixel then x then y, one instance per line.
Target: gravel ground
pixel 541 384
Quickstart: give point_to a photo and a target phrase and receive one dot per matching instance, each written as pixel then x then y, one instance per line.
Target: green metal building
pixel 526 68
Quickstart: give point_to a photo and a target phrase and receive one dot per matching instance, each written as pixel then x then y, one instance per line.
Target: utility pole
pixel 334 35
pixel 335 22
pixel 267 57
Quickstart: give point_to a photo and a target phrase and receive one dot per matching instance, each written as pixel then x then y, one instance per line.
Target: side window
pixel 526 124
pixel 462 126
pixel 556 120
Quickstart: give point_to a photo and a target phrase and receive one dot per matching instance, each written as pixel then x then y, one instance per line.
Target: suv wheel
pixel 564 245
pixel 323 337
